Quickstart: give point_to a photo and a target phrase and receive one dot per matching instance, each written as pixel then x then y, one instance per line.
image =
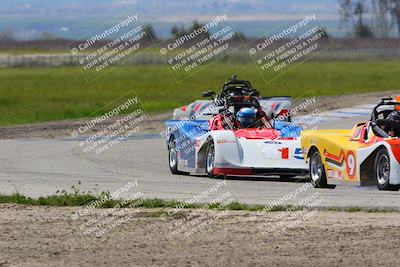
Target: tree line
pixel 360 18
pixel 370 18
pixel 176 31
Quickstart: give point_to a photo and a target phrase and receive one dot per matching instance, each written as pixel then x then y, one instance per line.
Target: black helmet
pixel 394 116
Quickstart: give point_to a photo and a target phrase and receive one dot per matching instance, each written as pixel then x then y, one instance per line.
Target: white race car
pixel 219 146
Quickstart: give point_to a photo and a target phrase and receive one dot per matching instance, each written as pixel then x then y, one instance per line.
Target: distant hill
pixel 73 18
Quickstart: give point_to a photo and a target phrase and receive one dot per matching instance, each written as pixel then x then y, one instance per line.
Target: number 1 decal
pixel 285 153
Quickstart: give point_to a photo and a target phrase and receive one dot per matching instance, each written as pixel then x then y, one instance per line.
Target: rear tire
pixel 173 157
pixel 382 171
pixel 317 170
pixel 210 159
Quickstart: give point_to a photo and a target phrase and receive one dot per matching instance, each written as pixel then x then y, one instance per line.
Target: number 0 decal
pixel 351 166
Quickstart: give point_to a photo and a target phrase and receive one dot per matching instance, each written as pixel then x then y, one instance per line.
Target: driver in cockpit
pixel 244 118
pixel 394 119
pixel 247 118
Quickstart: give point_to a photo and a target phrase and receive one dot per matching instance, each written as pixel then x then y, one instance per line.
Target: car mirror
pixel 255 94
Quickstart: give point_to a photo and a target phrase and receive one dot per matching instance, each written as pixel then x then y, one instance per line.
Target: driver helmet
pixel 246 117
pixel 394 116
pixel 394 129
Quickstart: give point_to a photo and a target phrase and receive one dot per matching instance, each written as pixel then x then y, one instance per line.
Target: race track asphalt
pixel 39 167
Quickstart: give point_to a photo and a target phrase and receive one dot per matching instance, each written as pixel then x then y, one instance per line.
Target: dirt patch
pixel 47 236
pixel 155 124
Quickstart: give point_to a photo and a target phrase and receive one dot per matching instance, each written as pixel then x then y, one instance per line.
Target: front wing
pixel 241 156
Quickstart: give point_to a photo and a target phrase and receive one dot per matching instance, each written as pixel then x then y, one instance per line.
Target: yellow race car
pixel 368 154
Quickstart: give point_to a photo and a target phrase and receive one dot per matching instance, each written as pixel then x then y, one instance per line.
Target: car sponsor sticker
pixel 298 154
pixel 335 174
pixel 225 141
pixel 272 142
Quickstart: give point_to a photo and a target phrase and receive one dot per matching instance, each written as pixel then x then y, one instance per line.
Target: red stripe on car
pixel 232 171
pixel 197 107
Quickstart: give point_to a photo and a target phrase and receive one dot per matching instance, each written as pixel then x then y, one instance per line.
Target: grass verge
pixel 82 199
pixel 33 95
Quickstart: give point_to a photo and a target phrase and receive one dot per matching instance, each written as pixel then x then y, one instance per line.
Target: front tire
pixel 173 157
pixel 210 160
pixel 317 170
pixel 382 171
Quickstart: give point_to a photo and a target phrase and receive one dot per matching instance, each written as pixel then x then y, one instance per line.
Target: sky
pixel 72 18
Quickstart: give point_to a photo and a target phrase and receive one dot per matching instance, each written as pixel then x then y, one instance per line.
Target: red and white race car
pixel 222 146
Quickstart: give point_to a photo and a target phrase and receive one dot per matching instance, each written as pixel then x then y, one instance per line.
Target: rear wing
pixel 277 97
